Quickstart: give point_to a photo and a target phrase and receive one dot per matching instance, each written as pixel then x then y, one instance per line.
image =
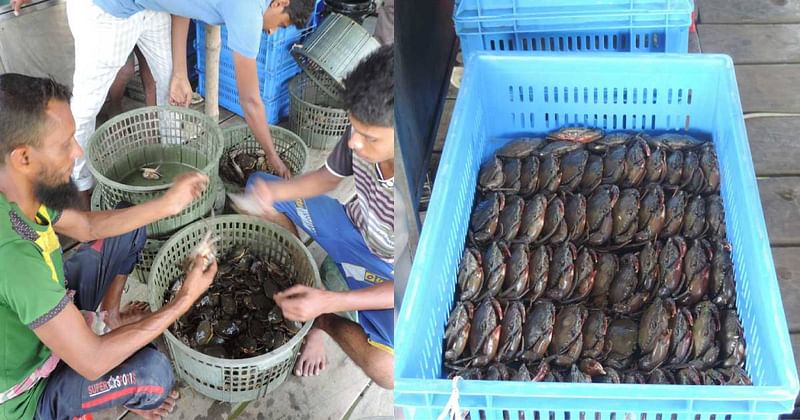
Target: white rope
pixel 750 115
pixel 452 410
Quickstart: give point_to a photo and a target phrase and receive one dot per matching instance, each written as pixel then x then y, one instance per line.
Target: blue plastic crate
pixel 274 86
pixel 275 108
pixel 273 52
pixel 273 62
pixel 506 95
pixel 574 25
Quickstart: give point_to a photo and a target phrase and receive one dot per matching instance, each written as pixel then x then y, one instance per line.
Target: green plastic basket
pixel 240 379
pixel 290 148
pixel 173 139
pixel 332 51
pixel 314 116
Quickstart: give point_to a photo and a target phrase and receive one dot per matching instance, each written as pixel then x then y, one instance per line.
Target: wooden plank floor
pixel 748 11
pixel 762 37
pixel 774 148
pixel 753 43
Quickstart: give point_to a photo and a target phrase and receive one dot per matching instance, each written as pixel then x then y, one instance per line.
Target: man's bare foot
pixel 311 360
pixel 157 413
pixel 133 312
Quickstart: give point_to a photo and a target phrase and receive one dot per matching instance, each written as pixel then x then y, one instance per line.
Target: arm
pixel 180 90
pixel 303 303
pixel 376 297
pixel 253 106
pixel 88 226
pixel 308 185
pixel 92 356
pixel 68 337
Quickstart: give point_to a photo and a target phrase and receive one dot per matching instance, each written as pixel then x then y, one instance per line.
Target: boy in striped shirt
pixel 358 236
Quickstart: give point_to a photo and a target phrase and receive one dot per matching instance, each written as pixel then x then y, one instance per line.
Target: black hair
pixel 23 109
pixel 299 11
pixel 369 89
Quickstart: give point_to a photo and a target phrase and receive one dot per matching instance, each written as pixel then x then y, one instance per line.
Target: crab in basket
pixel 237 316
pixel 207 248
pixel 151 173
pixel 239 163
pixel 598 257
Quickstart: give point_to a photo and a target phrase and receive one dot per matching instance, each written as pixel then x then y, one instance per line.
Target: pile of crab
pixel 598 258
pixel 237 317
pixel 241 161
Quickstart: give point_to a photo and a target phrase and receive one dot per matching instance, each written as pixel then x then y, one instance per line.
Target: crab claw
pixel 205 248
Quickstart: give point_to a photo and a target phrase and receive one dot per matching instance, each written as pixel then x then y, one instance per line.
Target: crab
pixel 151 173
pixel 206 248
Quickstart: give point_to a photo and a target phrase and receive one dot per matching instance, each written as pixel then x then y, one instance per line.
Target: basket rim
pixel 465 12
pixel 295 139
pixel 299 51
pixel 409 388
pixel 102 179
pixel 293 86
pixel 95 200
pixel 274 355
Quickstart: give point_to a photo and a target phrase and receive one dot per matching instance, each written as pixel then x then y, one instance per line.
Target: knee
pixel 385 382
pixel 126 72
pixel 155 373
pixel 135 241
pixel 137 237
pixel 382 372
pixel 159 364
pixel 138 240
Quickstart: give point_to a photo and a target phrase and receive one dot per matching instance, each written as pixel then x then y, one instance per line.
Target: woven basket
pixel 151 245
pixel 332 51
pixel 173 139
pixel 290 148
pixel 314 116
pixel 240 379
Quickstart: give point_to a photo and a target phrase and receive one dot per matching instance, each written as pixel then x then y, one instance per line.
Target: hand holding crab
pixel 187 187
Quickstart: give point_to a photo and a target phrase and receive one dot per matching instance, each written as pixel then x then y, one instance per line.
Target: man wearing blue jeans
pixel 358 236
pixel 64 359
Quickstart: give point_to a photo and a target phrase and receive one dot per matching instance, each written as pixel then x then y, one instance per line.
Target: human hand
pixel 278 166
pixel 302 303
pixel 198 281
pixel 187 187
pixel 17 5
pixel 257 201
pixel 180 91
